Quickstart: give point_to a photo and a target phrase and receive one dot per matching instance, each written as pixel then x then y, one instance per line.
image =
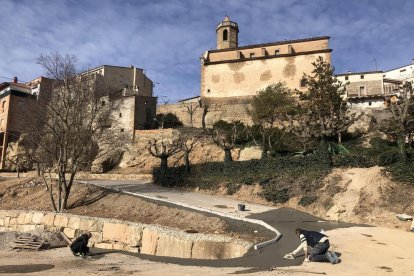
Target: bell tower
pixel 227 34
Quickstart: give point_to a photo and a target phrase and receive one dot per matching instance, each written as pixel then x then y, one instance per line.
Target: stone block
pixel 134 235
pixel 84 224
pixel 48 219
pixel 74 222
pixel 27 227
pixel 37 218
pixel 1 221
pixel 21 218
pixel 104 245
pixel 69 232
pixel 13 222
pixel 61 221
pixel 6 221
pixel 3 229
pixel 95 225
pixel 173 247
pixel 40 227
pixel 132 249
pixel 209 250
pixel 119 246
pixel 96 237
pixel 149 242
pixel 114 232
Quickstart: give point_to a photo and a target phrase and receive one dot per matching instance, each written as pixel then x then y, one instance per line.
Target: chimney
pixel 15 80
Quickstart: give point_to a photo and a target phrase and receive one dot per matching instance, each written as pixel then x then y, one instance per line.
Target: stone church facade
pixel 231 74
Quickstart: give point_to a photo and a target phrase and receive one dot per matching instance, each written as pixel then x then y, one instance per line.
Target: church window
pixel 103 103
pixel 120 115
pixel 225 35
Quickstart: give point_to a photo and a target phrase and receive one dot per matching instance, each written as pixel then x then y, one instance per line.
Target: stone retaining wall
pixel 127 236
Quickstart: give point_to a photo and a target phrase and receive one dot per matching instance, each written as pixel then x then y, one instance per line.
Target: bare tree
pixel 163 150
pixel 165 101
pixel 191 108
pixel 226 138
pixel 72 127
pixel 203 118
pixel 187 143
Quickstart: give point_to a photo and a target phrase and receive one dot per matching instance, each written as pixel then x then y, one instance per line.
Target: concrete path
pixel 284 220
pixel 205 201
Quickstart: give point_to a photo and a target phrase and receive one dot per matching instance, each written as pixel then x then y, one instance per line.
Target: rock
pixel 149 242
pixel 250 153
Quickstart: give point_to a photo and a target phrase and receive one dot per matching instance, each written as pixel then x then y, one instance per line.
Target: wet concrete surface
pixel 286 220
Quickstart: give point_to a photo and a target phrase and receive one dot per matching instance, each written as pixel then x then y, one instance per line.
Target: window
pixel 103 103
pixel 403 70
pixel 120 115
pixel 3 104
pixel 225 35
pixel 346 78
pixel 369 103
pixel 277 52
pixel 122 130
pixel 362 77
pixel 145 102
pixel 251 55
pixel 303 82
pixel 208 90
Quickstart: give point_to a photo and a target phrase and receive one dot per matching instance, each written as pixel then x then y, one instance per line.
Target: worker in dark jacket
pixel 80 246
pixel 319 244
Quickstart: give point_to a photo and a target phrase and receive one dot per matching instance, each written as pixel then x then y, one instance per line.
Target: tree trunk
pixel 227 155
pixel 187 162
pixel 164 163
pixel 18 173
pixel 401 146
pixel 264 155
pixel 339 138
pixel 38 169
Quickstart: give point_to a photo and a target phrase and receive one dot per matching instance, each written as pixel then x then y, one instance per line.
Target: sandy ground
pixel 363 250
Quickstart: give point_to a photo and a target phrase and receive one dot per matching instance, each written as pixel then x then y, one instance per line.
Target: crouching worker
pixel 80 246
pixel 319 244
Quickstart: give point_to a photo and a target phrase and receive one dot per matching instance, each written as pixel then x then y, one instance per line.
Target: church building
pixel 233 71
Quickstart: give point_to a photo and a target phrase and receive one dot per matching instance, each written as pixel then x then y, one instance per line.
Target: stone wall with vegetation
pixel 127 236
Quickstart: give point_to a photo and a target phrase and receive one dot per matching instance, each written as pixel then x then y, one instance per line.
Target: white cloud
pixel 167 37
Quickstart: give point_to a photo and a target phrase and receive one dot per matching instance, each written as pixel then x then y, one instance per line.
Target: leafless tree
pixel 226 139
pixel 163 150
pixel 165 101
pixel 73 127
pixel 191 108
pixel 187 143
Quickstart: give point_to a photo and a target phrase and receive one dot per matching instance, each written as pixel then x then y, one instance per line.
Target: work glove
pixel 289 256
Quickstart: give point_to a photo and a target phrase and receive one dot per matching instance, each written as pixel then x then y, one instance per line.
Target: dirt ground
pixel 88 200
pixel 363 250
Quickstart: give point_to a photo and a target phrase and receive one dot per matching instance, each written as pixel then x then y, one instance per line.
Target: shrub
pixel 389 157
pixel 352 160
pixel 402 171
pixel 232 188
pixel 276 196
pixel 307 200
pixel 170 120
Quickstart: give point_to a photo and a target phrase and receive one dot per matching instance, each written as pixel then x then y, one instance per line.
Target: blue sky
pixel 166 38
